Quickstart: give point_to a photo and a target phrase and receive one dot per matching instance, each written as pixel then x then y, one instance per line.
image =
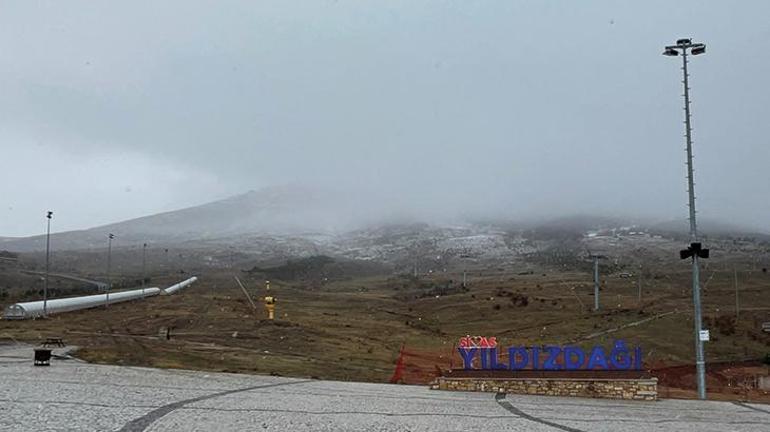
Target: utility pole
pixel 596 283
pixel 109 264
pixel 737 305
pixel 639 285
pixel 596 280
pixel 144 266
pixel 695 250
pixel 47 263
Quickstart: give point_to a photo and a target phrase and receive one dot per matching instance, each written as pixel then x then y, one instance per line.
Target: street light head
pixel 670 52
pixel 683 41
pixel 50 213
pixel 111 236
pixel 699 50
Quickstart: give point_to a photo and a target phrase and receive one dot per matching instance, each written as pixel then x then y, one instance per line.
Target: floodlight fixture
pixel 671 52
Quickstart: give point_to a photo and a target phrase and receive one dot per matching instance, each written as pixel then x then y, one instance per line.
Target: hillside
pixel 277 224
pixel 281 210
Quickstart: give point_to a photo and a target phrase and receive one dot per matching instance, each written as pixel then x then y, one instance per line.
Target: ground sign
pixel 483 353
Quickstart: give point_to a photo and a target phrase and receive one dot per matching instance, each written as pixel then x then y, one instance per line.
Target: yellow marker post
pixel 270 306
pixel 269 302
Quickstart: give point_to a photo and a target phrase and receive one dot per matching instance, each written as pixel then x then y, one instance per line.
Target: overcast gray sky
pixel 113 110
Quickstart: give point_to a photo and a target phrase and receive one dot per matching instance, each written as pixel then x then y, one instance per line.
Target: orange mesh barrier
pixel 420 367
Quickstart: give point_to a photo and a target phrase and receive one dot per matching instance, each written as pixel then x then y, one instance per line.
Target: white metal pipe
pixel 174 288
pixel 34 309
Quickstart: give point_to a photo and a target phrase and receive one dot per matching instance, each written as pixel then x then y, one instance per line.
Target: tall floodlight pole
pixel 695 250
pixel 144 266
pixel 47 263
pixel 109 264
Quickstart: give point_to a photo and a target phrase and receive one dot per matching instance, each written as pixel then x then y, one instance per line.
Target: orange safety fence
pixel 420 366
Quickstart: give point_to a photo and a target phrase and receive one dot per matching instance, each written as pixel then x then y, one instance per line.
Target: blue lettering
pixel 553 355
pixel 638 358
pixel 484 358
pixel 570 362
pixel 597 358
pixel 513 364
pixel 535 358
pixel 467 355
pixel 620 358
pixel 493 364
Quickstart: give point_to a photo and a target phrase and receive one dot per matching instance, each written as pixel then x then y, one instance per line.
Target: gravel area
pixel 72 395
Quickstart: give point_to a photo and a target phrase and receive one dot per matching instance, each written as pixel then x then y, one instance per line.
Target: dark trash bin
pixel 42 357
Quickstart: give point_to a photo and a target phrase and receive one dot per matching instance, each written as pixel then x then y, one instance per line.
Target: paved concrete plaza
pixel 72 395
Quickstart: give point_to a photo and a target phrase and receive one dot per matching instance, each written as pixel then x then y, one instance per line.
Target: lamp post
pixel 144 266
pixel 47 261
pixel 695 250
pixel 109 264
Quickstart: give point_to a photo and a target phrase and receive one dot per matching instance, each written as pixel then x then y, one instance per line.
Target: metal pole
pixel 700 363
pixel 47 261
pixel 639 285
pixel 737 305
pixel 688 136
pixel 109 264
pixel 144 266
pixel 596 283
pixel 246 293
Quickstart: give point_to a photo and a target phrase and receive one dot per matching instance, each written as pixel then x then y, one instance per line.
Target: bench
pixel 53 341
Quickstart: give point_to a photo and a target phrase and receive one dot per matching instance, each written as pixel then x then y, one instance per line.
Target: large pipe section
pixel 174 288
pixel 34 309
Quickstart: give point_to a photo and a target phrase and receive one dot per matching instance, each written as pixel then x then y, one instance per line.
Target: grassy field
pixel 352 328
